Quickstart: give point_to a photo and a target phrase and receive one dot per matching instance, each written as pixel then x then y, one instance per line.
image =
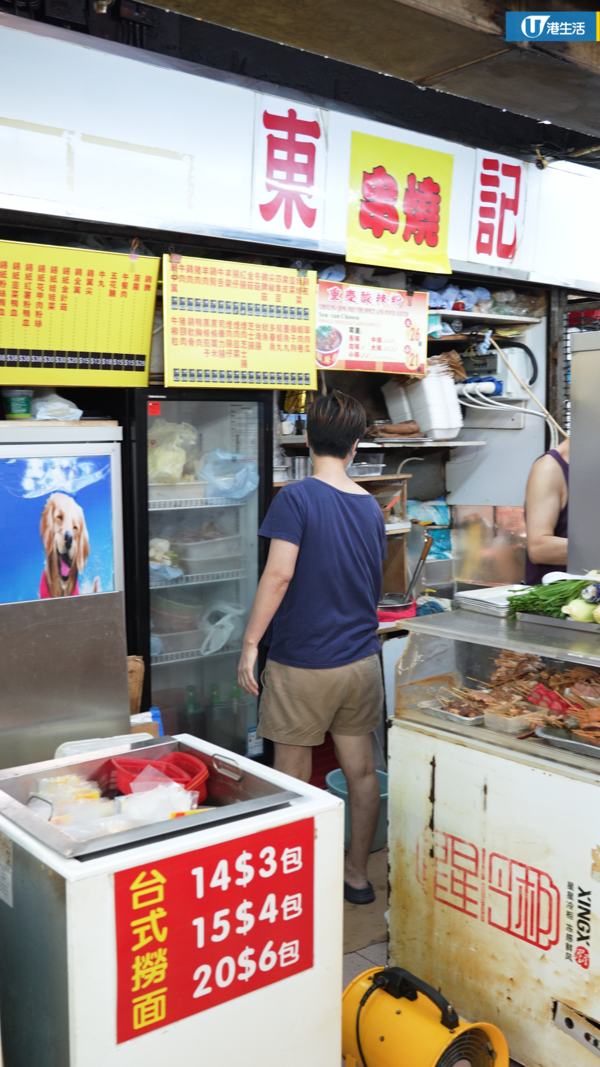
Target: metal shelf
pixel 485 316
pixel 187 505
pixel 194 653
pixel 368 478
pixel 199 579
pixel 380 443
pixel 426 444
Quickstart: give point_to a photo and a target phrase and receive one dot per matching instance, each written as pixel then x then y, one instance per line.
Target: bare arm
pixel 544 500
pixel 272 588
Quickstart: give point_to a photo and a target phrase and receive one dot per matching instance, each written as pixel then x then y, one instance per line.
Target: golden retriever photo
pixel 67 547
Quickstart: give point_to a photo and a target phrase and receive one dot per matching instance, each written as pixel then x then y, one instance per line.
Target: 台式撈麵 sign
pixel 363 328
pixel 211 925
pixel 237 324
pixel 73 317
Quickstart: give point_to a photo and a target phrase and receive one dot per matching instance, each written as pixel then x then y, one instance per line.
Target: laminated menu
pixel 238 324
pixel 364 328
pixel 69 316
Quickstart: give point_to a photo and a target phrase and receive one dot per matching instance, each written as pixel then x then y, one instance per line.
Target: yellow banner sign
pixel 236 324
pixel 73 317
pixel 399 205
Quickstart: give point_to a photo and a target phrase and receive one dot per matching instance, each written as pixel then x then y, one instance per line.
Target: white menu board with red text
pixel 360 327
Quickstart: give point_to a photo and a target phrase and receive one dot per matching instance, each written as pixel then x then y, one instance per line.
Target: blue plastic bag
pixel 229 475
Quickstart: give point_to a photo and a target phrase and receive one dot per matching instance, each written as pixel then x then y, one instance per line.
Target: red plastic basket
pixel 106 777
pixel 116 775
pixel 197 770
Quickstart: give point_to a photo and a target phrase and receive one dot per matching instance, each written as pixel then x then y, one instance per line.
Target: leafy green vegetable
pixel 546 599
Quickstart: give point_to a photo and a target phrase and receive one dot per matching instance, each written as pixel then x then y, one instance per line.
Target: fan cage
pixel 470 1049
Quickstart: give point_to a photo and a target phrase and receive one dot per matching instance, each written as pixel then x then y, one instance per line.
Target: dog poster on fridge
pixel 56 527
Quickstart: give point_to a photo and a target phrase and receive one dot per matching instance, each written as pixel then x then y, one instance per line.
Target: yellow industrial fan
pixel 392 1019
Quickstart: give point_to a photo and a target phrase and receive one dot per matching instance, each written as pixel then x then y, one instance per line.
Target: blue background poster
pixel 73 483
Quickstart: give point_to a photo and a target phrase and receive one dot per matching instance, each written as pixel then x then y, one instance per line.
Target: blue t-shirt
pixel 328 616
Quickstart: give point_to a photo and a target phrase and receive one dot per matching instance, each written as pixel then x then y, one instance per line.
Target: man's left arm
pixel 272 588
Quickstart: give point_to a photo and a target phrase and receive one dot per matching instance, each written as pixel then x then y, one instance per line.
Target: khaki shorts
pixel 299 706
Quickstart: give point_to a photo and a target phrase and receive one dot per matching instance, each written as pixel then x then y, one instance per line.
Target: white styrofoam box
pixel 396 401
pixel 435 406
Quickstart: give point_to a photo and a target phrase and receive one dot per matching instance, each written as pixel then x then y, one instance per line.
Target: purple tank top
pixel 534 572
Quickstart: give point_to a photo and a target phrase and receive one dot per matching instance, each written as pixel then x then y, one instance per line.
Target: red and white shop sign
pixel 289 167
pixel 211 925
pixel 498 211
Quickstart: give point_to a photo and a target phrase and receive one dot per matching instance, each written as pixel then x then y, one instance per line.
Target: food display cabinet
pixel 495 841
pixel 215 935
pixel 203 476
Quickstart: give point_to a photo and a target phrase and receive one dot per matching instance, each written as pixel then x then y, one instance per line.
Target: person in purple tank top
pixel 547 514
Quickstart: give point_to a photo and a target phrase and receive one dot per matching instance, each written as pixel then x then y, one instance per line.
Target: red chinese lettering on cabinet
pixel 502 892
pixel 211 925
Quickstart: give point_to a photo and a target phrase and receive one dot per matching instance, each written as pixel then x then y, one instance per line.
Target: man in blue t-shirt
pixel 319 590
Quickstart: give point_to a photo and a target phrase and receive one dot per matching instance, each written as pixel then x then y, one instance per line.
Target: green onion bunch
pixel 546 599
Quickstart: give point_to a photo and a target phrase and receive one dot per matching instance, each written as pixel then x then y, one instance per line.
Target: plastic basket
pixel 116 775
pixel 197 770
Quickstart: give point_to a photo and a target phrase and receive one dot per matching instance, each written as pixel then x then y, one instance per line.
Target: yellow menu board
pixel 73 317
pixel 238 324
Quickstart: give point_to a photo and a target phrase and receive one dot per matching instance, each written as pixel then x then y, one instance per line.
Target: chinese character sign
pixel 498 213
pixel 196 930
pixel 504 893
pixel 73 317
pixel 238 324
pixel 363 328
pixel 399 204
pixel 289 167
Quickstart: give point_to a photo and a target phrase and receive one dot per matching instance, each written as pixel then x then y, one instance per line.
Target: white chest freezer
pixel 495 848
pixel 213 938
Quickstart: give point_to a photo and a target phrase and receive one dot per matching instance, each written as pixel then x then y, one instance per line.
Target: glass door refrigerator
pixel 201 484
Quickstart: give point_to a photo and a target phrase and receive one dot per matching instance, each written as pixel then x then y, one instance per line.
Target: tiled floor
pixel 365 924
pixel 357 962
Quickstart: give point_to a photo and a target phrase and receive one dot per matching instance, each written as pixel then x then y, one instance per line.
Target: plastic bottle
pixel 236 693
pixel 194 712
pixel 190 699
pixel 214 693
pixel 157 718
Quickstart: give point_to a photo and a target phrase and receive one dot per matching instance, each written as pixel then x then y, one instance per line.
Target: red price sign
pixel 199 929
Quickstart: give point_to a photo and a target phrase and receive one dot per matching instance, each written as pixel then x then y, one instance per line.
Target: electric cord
pixel 519 344
pixel 526 411
pixel 376 985
pixel 504 343
pixel 549 417
pixel 487 403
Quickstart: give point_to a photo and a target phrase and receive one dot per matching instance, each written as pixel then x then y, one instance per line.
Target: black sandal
pixel 366 895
